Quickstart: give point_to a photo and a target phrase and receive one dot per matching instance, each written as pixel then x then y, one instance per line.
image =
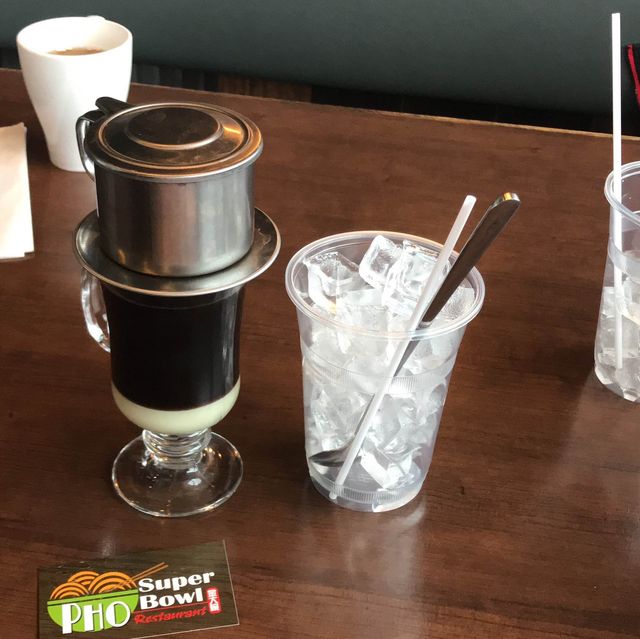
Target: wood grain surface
pixel 528 525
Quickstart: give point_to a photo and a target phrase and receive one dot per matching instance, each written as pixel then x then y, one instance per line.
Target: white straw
pixel 616 227
pixel 431 288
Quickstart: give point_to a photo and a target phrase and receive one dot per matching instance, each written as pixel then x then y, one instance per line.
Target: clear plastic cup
pixel 342 368
pixel 617 344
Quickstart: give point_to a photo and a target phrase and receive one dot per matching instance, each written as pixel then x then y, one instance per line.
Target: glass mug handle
pixel 94 310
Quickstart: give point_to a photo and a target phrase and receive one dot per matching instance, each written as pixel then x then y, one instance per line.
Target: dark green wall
pixel 550 54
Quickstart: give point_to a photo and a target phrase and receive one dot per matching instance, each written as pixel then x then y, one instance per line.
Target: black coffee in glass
pixel 174 360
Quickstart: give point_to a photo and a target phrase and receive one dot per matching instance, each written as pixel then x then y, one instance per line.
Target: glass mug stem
pixel 175 451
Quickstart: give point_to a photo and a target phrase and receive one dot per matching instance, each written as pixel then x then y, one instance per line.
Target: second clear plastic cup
pixel 342 368
pixel 617 343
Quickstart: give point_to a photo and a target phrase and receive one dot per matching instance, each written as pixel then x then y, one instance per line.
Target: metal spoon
pixel 487 230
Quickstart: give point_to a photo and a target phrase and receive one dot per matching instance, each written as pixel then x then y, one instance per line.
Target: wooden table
pixel 529 522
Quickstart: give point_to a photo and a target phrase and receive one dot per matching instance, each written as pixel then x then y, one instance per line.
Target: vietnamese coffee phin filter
pixel 166 256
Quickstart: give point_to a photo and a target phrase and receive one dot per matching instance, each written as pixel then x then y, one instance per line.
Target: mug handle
pixel 93 309
pixel 82 124
pixel 106 106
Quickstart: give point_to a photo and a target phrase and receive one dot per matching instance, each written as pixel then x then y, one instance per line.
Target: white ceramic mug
pixel 64 86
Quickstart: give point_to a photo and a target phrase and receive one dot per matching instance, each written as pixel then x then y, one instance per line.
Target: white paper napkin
pixel 16 232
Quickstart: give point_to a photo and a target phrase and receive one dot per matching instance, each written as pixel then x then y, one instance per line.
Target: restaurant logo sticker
pixel 139 595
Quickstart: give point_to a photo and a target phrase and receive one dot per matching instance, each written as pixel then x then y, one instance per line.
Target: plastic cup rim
pixel 474 278
pixel 627 170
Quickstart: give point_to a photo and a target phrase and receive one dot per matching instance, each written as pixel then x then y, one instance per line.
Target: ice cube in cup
pixel 330 275
pixel 362 308
pixel 334 408
pixel 407 278
pixel 385 470
pixel 378 259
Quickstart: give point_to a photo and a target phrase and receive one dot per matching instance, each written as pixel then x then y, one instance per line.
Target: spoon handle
pixel 487 230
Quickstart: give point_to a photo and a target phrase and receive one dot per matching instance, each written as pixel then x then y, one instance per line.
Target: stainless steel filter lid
pixel 174 141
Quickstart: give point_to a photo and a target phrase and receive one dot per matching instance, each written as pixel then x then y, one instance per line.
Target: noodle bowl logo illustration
pixel 89 601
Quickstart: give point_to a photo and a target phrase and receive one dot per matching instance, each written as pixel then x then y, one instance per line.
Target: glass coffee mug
pixel 175 373
pixel 174 347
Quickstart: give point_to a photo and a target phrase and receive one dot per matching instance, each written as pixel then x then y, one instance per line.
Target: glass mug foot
pixel 177 476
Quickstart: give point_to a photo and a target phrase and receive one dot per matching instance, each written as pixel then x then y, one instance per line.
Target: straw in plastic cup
pixel 616 228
